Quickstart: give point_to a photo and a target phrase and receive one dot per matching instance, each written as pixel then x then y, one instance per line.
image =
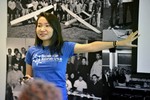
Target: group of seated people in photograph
pixel 82 81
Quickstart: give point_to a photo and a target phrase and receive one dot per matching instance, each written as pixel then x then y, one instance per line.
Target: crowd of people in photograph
pixel 81 78
pixel 89 10
pixel 15 66
pixel 115 17
pixel 95 80
pixel 16 70
pixel 18 8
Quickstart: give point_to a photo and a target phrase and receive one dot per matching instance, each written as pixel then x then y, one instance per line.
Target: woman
pixel 48 58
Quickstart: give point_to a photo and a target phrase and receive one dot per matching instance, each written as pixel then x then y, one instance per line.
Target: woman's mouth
pixel 42 34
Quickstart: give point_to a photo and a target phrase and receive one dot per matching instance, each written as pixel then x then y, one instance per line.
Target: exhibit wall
pixel 3 35
pixel 78 31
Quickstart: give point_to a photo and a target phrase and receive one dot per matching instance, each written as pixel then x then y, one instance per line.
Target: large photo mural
pixel 82 21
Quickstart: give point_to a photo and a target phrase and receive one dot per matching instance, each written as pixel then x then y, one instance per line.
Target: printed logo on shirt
pixel 46 58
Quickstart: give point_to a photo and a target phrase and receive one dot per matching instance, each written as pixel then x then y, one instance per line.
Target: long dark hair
pixel 56 39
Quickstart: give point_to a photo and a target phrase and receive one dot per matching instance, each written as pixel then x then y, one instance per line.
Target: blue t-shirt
pixel 51 68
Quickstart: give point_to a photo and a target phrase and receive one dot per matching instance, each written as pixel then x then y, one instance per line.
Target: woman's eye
pixel 48 25
pixel 43 25
pixel 38 25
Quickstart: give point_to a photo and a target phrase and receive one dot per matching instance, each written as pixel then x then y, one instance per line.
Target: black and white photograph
pixel 85 68
pixel 104 75
pixel 80 19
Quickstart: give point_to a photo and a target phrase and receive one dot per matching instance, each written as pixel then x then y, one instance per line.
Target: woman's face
pixel 43 30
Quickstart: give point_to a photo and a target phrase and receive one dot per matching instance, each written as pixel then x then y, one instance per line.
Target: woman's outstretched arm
pixel 100 45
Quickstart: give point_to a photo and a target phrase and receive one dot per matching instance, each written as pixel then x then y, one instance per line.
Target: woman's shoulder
pixel 33 48
pixel 67 43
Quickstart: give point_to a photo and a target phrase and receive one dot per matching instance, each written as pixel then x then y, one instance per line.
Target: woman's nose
pixel 43 28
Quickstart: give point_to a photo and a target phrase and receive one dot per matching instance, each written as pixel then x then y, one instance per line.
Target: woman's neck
pixel 46 43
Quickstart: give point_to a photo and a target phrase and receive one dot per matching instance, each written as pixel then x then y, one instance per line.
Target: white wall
pixel 143 64
pixel 3 35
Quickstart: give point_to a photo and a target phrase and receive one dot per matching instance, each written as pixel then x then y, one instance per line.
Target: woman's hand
pixel 27 79
pixel 128 41
pixel 28 76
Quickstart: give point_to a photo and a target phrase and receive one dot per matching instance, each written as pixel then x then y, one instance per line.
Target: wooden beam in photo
pixel 30 15
pixel 29 5
pixel 86 13
pixel 75 20
pixel 70 21
pixel 81 20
